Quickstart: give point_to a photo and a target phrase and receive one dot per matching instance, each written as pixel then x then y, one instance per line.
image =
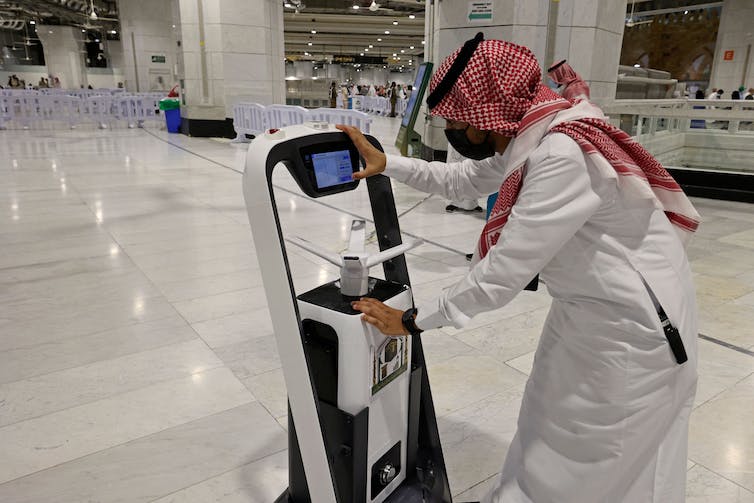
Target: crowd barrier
pixel 102 107
pixel 253 118
pixel 379 105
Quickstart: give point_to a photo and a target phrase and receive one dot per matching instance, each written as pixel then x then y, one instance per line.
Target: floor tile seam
pixel 722 392
pixel 315 201
pixel 93 453
pixel 215 366
pixel 266 409
pixel 218 475
pixel 517 370
pixel 499 391
pixel 88 334
pixel 697 463
pixel 172 306
pixel 224 292
pixel 476 484
pixel 726 344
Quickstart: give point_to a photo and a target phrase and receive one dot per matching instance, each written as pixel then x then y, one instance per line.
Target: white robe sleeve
pixel 455 181
pixel 556 200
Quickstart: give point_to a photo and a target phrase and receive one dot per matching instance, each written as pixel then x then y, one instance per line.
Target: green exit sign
pixel 158 59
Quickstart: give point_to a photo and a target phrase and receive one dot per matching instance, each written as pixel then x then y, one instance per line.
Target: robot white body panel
pixel 373 374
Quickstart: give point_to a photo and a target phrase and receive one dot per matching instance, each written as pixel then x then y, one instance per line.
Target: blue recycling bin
pixel 172 110
pixel 173 120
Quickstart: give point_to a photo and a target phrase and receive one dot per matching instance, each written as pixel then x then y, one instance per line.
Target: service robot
pixel 361 423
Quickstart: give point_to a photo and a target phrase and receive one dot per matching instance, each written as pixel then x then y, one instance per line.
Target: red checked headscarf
pixel 574 86
pixel 500 90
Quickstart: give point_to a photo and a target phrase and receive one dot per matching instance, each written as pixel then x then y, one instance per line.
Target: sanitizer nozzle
pixel 355 263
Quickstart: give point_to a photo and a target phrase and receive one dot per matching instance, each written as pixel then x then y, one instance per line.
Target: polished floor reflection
pixel 137 359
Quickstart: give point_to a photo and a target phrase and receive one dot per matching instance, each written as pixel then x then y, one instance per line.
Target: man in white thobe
pixel 604 417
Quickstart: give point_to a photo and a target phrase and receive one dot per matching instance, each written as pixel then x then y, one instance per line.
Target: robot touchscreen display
pixel 332 168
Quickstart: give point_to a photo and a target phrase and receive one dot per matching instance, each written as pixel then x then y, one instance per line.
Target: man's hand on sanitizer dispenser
pixel 387 320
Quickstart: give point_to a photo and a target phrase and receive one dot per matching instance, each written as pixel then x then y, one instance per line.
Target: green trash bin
pixel 172 109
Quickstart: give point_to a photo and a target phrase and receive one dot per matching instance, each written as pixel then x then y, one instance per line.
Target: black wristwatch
pixel 409 323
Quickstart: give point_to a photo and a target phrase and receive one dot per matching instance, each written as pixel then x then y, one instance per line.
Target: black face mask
pixel 459 141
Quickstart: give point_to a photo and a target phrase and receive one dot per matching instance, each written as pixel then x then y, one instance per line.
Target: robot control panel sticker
pixel 390 361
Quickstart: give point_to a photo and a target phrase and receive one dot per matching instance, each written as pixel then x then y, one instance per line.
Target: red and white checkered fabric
pixel 500 90
pixel 494 90
pixel 574 86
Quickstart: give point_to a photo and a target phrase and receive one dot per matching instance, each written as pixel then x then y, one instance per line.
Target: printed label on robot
pixel 390 361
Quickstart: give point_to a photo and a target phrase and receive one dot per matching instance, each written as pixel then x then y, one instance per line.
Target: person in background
pixel 750 94
pixel 393 96
pixel 713 94
pixel 333 95
pixel 572 86
pixel 735 95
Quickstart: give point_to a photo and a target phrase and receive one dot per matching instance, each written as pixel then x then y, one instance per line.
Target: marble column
pixel 590 36
pixel 734 34
pixel 63 54
pixel 232 50
pixel 588 33
pixel 149 44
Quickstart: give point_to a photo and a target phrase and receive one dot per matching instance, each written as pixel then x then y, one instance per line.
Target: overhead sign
pixel 728 56
pixel 158 58
pixel 364 60
pixel 480 11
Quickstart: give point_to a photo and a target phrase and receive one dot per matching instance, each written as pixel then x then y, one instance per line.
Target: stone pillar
pixel 232 51
pixel 149 45
pixel 734 34
pixel 590 36
pixel 63 54
pixel 589 33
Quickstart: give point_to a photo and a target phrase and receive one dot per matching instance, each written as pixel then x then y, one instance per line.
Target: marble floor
pixel 137 359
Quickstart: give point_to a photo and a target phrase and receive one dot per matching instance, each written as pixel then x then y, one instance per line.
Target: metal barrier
pixel 253 118
pixel 103 107
pixel 338 116
pixel 248 119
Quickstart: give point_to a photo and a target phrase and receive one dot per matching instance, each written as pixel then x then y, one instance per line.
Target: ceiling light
pixel 402 51
pixel 83 31
pixel 355 7
pixel 361 54
pixel 399 58
pixel 32 22
pixel 387 32
pixel 370 46
pixel 637 65
pixel 685 12
pixel 309 44
pixel 394 54
pixel 113 32
pixel 379 40
pixel 96 40
pixel 173 26
pixel 411 16
pixel 422 42
pixel 314 32
pixel 366 50
pixel 395 23
pixel 288 5
pixel 411 47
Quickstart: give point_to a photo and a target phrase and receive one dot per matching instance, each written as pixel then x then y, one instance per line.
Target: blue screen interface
pixel 332 168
